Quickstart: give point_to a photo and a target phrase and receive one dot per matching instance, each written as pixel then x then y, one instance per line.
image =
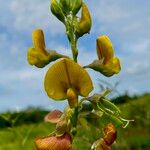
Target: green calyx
pixel 70 6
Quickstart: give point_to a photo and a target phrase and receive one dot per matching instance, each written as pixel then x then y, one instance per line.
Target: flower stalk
pixel 67 80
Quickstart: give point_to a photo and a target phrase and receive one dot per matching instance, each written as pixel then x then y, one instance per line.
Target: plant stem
pixel 70 31
pixel 74 121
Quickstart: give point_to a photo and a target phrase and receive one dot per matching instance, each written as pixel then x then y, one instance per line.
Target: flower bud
pixel 85 23
pixel 56 10
pixel 66 6
pixel 76 5
pixel 72 98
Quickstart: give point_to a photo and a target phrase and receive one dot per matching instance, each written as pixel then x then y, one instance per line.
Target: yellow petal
pixel 38 40
pixel 66 74
pixel 113 66
pixel 37 58
pixel 109 69
pixel 104 48
pixel 85 21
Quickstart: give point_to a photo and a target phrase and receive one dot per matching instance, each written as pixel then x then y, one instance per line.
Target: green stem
pixel 70 31
pixel 74 50
pixel 74 120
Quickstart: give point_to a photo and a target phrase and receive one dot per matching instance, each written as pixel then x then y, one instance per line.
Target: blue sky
pixel 126 22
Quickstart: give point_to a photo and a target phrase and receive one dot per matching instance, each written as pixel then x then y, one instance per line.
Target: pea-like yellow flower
pixel 85 23
pixel 66 80
pixel 38 55
pixel 107 64
pixel 54 143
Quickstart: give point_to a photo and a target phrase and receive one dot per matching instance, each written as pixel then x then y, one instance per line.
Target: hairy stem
pixel 70 31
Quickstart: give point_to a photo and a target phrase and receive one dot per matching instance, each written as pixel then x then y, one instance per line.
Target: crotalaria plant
pixel 67 80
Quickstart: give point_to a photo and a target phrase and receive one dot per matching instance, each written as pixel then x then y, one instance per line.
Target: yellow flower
pixel 107 64
pixel 38 55
pixel 66 80
pixel 54 143
pixel 85 23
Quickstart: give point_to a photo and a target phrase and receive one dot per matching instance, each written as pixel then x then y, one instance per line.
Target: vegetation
pixel 21 132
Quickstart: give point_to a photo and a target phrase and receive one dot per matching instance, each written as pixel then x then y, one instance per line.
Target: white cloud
pixel 126 22
pixel 27 15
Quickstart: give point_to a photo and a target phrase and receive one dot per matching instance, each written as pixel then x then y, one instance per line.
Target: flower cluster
pixel 67 80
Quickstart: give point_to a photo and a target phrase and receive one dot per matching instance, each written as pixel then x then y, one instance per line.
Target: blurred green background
pixel 18 130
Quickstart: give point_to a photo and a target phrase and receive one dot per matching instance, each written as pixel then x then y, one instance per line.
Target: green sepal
pixel 109 105
pixel 107 118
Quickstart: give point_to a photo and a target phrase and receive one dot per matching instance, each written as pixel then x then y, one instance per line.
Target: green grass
pixel 135 137
pixel 22 137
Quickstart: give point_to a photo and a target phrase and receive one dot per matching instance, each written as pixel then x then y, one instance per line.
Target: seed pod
pixel 85 22
pixel 56 10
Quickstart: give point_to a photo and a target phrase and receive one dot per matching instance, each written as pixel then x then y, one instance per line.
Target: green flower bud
pixel 76 5
pixel 56 10
pixel 66 6
pixel 85 23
